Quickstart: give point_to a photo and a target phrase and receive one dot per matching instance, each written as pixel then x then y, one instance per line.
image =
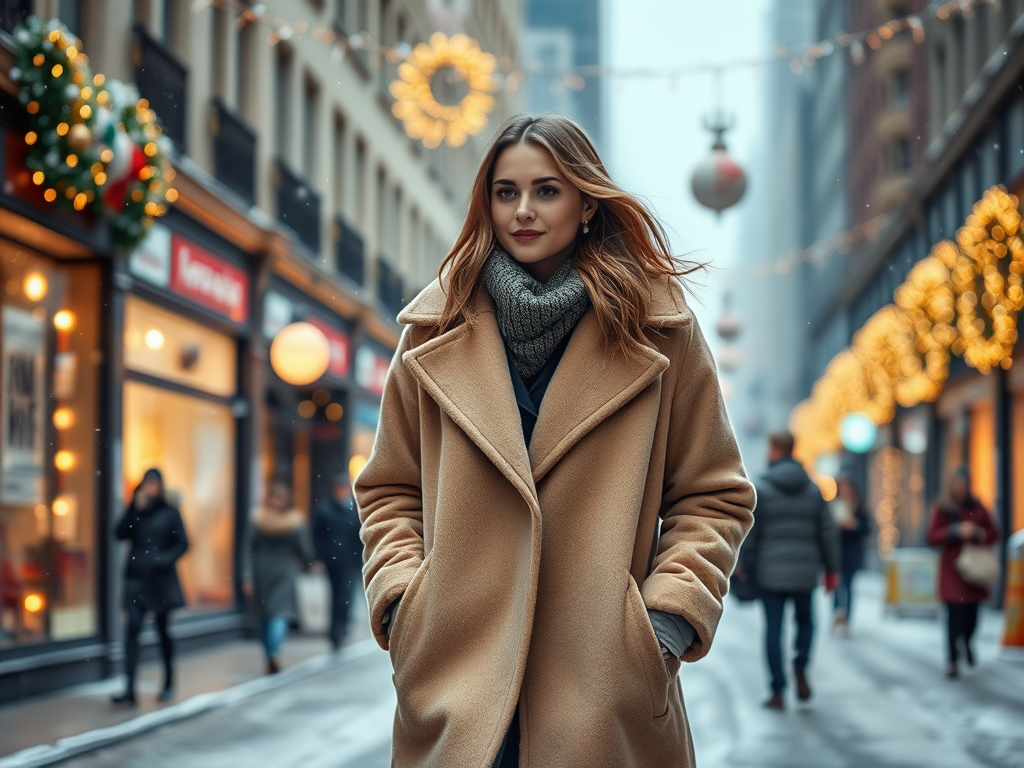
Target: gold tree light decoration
pixel 988 284
pixel 926 297
pixel 417 106
pixel 886 344
pixel 858 387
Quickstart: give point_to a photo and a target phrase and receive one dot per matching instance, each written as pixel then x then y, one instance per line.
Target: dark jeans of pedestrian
pixel 774 612
pixel 131 645
pixel 962 620
pixel 844 594
pixel 343 583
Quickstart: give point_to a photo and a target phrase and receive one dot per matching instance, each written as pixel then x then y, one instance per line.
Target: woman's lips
pixel 526 236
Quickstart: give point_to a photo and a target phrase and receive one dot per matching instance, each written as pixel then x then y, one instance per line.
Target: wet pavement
pixel 881 701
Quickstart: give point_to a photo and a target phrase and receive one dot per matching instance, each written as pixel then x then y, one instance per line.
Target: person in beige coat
pixel 555 499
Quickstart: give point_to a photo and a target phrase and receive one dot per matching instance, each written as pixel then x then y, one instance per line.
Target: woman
pixel 275 552
pixel 958 519
pixel 854 526
pixel 551 404
pixel 157 537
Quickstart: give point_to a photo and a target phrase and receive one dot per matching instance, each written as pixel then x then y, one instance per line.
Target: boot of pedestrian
pixel 166 694
pixel 125 699
pixel 273 666
pixel 803 688
pixel 776 702
pixel 968 654
pixel 952 670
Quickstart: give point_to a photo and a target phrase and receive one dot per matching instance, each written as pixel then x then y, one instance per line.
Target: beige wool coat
pixel 525 577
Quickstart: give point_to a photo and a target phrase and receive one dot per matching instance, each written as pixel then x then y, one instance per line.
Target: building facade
pixel 969 66
pixel 300 197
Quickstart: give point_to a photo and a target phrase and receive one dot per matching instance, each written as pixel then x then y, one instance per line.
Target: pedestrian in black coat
pixel 336 541
pixel 157 536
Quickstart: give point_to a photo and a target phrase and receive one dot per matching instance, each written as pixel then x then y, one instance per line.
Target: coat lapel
pixel 589 385
pixel 465 371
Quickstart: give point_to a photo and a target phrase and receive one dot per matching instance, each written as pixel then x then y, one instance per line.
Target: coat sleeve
pixel 389 494
pixel 938 529
pixel 126 525
pixel 169 555
pixel 706 501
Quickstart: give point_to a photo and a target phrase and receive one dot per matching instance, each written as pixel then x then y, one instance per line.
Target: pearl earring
pixel 586 228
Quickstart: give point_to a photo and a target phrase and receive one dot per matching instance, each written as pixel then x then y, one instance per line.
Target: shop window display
pixel 982 452
pixel 192 441
pixel 50 357
pixel 189 435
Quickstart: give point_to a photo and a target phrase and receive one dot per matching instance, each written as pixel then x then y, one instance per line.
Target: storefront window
pixel 192 441
pixel 189 437
pixel 160 343
pixel 49 353
pixel 982 447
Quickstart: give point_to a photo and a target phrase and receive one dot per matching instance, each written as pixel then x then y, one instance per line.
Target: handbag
pixel 978 565
pixel 313 593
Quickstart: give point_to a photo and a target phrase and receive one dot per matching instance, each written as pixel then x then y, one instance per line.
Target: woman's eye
pixel 506 193
pixel 547 191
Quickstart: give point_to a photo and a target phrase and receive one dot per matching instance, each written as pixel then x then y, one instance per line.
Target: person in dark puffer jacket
pixel 793 539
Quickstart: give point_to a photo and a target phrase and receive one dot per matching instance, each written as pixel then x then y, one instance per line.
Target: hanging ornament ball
pixel 300 354
pixel 718 181
pixel 79 137
pixel 120 164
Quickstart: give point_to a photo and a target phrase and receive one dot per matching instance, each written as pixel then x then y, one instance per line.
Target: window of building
pixel 161 343
pixel 897 156
pixel 282 96
pixel 360 184
pixel 339 162
pixel 897 89
pixel 341 16
pixel 245 50
pixel 50 335
pixel 310 118
pixel 70 12
pixel 219 53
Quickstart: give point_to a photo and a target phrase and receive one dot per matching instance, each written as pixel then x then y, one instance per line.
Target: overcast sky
pixel 654 128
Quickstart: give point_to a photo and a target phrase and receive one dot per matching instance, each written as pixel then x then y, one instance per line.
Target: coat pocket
pixel 406 608
pixel 646 646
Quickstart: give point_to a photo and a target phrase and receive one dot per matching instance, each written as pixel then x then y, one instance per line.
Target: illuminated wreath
pixel 990 276
pixel 887 342
pixel 417 107
pixel 93 144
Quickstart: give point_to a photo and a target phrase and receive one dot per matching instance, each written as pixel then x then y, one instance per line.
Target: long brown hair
pixel 625 251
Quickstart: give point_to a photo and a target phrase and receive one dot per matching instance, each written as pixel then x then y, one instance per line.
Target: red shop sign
pixel 209 280
pixel 340 347
pixel 371 370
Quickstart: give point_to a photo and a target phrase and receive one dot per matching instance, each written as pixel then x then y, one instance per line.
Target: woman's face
pixel 958 489
pixel 536 212
pixel 152 488
pixel 277 499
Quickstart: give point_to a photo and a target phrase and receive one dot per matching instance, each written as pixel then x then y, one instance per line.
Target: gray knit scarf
pixel 533 317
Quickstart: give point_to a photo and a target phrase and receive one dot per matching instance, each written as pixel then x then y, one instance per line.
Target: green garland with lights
pixel 93 144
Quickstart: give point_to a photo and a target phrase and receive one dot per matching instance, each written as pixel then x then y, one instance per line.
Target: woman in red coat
pixel 959 518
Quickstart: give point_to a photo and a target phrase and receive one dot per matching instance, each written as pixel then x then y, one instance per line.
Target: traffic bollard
pixel 1013 608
